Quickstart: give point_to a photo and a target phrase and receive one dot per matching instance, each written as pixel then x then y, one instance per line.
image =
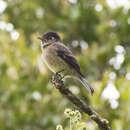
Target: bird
pixel 59 58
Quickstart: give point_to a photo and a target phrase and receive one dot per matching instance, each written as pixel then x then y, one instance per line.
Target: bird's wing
pixel 65 54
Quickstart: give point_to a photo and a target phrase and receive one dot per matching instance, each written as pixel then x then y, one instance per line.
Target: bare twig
pixel 103 124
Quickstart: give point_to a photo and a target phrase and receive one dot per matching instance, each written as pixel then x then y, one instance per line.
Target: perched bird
pixel 59 58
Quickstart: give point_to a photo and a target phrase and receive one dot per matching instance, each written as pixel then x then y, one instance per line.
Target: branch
pixel 103 124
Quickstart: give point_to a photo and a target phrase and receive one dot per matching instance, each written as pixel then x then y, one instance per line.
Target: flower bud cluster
pixel 59 127
pixel 75 116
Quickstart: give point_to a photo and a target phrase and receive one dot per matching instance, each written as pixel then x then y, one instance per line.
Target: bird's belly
pixel 56 64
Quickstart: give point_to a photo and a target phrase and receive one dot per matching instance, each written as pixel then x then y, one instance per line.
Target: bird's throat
pixel 46 45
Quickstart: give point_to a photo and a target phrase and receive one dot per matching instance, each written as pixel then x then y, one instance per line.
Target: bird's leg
pixel 58 74
pixel 57 79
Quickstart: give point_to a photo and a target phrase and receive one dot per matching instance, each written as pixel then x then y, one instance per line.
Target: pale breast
pixel 52 60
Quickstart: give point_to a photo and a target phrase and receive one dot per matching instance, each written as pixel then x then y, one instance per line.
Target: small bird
pixel 59 58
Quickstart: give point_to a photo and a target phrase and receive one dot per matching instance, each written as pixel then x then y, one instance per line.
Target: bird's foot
pixel 57 78
pixel 58 74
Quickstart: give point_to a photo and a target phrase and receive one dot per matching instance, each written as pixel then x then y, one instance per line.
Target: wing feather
pixel 65 54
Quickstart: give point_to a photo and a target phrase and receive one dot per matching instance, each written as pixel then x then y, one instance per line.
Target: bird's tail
pixel 85 83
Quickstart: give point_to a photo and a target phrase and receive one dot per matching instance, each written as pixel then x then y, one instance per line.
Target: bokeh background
pixel 98 33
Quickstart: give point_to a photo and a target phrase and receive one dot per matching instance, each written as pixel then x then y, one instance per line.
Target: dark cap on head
pixel 50 35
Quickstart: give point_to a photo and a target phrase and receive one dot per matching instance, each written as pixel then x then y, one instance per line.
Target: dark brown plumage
pixel 58 57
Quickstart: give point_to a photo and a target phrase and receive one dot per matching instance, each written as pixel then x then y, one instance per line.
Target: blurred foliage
pixel 98 35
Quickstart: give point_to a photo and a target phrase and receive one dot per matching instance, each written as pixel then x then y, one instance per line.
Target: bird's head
pixel 49 37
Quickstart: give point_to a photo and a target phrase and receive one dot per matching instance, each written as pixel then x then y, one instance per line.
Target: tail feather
pixel 85 83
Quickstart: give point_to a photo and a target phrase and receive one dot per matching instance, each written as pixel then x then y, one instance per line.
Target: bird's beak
pixel 39 38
